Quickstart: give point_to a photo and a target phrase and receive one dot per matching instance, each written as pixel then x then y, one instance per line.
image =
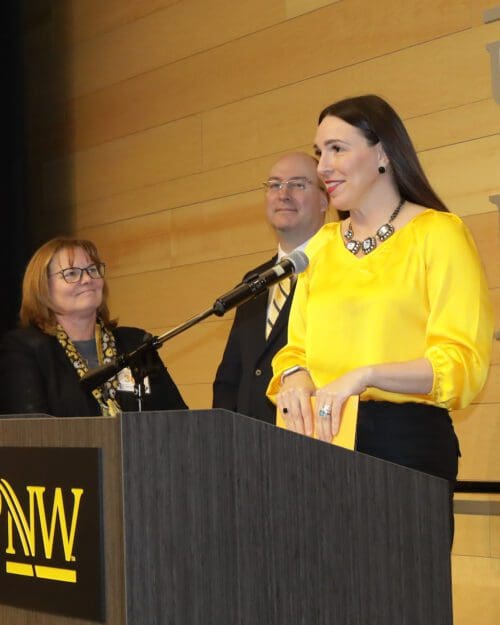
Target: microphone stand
pixel 254 285
pixel 136 359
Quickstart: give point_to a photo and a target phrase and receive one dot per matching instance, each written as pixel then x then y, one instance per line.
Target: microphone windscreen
pixel 299 260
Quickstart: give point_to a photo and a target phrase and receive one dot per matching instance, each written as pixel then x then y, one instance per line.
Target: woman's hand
pixel 331 398
pixel 294 399
pixel 294 402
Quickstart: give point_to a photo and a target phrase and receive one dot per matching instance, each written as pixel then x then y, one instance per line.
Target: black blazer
pixel 245 370
pixel 36 376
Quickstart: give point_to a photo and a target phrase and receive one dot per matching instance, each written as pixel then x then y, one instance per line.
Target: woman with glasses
pixel 66 330
pixel 394 306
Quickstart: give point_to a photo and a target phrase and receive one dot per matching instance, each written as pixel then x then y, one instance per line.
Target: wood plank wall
pixel 151 124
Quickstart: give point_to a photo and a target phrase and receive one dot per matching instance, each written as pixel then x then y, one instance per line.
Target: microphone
pixel 256 284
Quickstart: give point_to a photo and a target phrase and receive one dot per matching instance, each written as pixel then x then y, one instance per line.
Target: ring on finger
pixel 325 410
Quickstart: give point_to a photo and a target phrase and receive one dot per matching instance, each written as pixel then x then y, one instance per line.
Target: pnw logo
pixel 41 535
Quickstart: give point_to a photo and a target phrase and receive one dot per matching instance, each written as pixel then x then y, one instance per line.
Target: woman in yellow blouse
pixel 394 305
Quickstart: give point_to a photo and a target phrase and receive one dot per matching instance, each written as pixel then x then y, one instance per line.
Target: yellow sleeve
pixel 460 325
pixel 294 352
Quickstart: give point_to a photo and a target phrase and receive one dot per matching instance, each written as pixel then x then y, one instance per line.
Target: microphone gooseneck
pixel 295 263
pixel 254 285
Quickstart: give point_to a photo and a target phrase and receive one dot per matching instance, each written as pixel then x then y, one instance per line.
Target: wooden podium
pixel 212 518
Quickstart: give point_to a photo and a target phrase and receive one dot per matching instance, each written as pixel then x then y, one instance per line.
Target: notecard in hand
pixel 346 436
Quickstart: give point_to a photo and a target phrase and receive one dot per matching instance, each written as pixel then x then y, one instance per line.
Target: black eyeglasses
pixel 74 274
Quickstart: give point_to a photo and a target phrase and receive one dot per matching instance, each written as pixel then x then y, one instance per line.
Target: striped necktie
pixel 281 291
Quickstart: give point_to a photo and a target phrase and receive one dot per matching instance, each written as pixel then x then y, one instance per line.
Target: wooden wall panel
pixel 472 534
pixel 158 39
pixel 129 247
pixel 475 590
pixel 419 67
pixel 459 124
pixel 495 297
pixel 248 65
pixel 491 391
pixel 299 7
pixel 133 161
pixel 428 131
pixel 187 235
pixel 192 189
pixel 485 229
pixel 199 395
pixel 478 9
pixel 87 18
pixel 465 174
pixel 478 429
pixel 495 535
pixel 193 357
pixel 171 296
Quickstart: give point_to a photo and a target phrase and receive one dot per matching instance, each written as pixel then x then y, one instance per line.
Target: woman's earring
pixel 381 169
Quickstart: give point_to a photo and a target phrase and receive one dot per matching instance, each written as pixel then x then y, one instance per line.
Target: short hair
pixel 379 122
pixel 36 306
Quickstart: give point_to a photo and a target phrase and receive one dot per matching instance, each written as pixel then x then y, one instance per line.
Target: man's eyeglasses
pixel 295 184
pixel 74 274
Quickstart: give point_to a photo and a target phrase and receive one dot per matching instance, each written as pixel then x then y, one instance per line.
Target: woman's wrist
pixel 367 375
pixel 291 371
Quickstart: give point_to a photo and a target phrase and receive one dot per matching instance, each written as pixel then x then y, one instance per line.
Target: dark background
pixel 34 96
pixel 13 243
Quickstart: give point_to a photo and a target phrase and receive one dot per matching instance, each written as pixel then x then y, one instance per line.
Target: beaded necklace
pixel 370 243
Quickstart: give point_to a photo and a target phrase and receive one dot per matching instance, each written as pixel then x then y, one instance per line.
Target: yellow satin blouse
pixel 421 293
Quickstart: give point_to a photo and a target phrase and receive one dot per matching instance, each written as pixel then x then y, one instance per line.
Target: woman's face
pixel 348 165
pixel 78 299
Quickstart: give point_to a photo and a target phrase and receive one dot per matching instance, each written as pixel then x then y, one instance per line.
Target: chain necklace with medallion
pixel 370 243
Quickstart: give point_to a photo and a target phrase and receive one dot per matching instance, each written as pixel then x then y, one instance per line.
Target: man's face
pixel 298 208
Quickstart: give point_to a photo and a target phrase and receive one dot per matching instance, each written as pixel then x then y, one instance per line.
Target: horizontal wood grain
pixel 491 391
pixel 495 536
pixel 475 590
pixel 472 535
pixel 171 296
pixel 477 10
pixel 420 67
pixel 294 8
pixel 133 161
pixel 160 38
pixel 495 298
pixel 184 191
pixel 193 356
pixel 478 429
pixel 485 229
pixel 241 69
pixel 465 173
pixel 206 231
pixel 197 396
pixel 457 124
pixel 87 19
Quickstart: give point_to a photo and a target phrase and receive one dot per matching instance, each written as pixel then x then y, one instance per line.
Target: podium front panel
pixel 231 520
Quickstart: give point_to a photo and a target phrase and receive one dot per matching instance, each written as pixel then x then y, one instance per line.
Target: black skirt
pixel 414 435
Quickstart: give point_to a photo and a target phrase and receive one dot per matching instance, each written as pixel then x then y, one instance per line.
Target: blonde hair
pixel 36 305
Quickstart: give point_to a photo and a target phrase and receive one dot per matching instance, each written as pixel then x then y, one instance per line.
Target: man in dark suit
pixel 296 203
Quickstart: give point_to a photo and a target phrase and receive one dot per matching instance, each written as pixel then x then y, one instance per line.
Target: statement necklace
pixel 370 243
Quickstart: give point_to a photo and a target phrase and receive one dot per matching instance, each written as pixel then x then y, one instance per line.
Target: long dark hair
pixel 379 122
